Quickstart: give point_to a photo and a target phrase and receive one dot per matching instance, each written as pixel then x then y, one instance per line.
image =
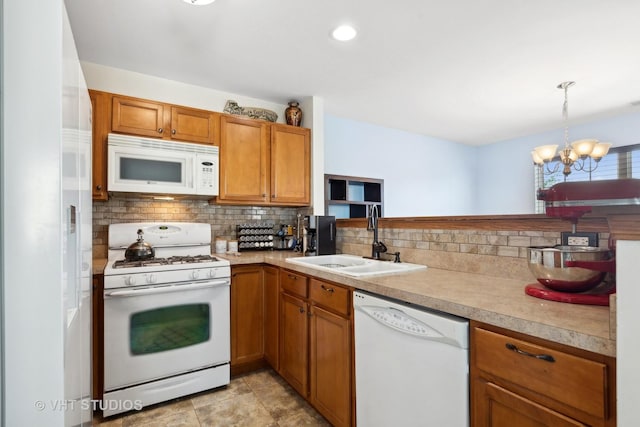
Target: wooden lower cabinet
pixel 330 365
pixel 97 336
pixel 503 408
pixel 271 315
pixel 294 342
pixel 247 318
pixel 518 380
pixel 316 345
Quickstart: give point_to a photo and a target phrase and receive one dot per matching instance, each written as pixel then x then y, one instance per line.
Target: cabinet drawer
pixel 294 283
pixel 331 296
pixel 572 380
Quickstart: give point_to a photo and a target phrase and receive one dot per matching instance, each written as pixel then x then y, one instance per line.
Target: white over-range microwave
pixel 146 165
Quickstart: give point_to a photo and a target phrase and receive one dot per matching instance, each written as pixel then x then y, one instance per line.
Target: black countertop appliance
pixel 321 235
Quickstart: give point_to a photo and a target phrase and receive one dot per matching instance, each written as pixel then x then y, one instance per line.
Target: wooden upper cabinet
pixel 100 114
pixel 158 120
pixel 244 160
pixel 290 165
pixel 192 125
pixel 264 163
pixel 137 117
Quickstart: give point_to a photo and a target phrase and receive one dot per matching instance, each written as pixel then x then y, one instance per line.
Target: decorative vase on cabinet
pixel 293 114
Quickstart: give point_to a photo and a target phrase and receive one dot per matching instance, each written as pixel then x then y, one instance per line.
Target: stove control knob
pixel 130 280
pixel 151 278
pixel 212 273
pixel 195 274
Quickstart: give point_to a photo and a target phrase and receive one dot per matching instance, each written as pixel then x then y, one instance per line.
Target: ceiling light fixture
pixel 574 155
pixel 344 33
pixel 199 2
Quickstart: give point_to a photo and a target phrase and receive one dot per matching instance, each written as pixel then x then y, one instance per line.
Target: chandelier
pixel 574 154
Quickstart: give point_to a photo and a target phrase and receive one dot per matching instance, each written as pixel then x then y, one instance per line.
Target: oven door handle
pixel 166 289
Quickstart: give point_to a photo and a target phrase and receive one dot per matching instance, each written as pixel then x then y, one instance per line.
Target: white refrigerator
pixel 76 239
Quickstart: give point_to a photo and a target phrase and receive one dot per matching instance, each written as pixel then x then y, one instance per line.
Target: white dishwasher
pixel 412 365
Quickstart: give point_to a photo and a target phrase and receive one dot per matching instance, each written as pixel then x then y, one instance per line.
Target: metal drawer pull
pixel 292 277
pixel 545 357
pixel 324 288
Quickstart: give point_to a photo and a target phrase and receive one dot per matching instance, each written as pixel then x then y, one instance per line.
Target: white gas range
pixel 166 319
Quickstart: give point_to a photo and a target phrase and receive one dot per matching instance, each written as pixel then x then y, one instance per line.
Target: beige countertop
pixel 497 301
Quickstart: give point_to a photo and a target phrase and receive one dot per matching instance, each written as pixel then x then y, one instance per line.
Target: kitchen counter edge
pixel 496 301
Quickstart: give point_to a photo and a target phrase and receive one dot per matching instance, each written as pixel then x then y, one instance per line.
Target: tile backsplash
pixel 498 253
pixel 223 219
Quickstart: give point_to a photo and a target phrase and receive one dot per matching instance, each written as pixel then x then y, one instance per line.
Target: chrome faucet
pixel 377 247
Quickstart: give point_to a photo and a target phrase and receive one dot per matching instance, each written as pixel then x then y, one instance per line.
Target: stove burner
pixel 191 259
pixel 121 263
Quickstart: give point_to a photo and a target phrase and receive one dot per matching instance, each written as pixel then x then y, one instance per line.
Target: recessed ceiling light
pixel 199 2
pixel 344 33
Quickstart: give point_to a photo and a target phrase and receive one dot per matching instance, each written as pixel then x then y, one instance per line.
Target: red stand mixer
pixel 578 271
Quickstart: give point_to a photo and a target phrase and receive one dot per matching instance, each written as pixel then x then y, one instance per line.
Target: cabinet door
pixel 271 312
pixel 100 114
pixel 247 315
pixel 294 351
pixel 290 165
pixel 330 366
pixel 562 377
pixel 193 125
pixel 244 160
pixel 499 407
pixel 97 336
pixel 137 117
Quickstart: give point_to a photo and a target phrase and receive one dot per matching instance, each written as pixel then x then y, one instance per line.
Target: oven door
pixel 156 332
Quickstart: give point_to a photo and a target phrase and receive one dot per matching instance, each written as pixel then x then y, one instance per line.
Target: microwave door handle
pixel 166 289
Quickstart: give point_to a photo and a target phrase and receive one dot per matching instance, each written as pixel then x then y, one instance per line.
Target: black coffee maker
pixel 320 235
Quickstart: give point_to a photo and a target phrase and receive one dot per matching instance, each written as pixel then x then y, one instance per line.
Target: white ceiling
pixel 470 71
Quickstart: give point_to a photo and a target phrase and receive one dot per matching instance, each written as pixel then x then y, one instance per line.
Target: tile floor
pixel 260 398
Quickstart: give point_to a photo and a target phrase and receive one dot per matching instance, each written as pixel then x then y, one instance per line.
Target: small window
pixel 620 162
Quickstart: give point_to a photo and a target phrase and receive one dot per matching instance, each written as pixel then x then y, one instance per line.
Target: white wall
pixel 115 80
pixel 31 212
pixel 426 176
pixel 422 175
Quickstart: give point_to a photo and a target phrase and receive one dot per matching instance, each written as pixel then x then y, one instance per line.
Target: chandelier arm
pixel 550 171
pixel 579 165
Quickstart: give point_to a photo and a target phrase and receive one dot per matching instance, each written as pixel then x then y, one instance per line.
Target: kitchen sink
pixel 353 265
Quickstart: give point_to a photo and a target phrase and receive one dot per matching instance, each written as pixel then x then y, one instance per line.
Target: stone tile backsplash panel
pixel 495 253
pixel 223 219
pixel 500 253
